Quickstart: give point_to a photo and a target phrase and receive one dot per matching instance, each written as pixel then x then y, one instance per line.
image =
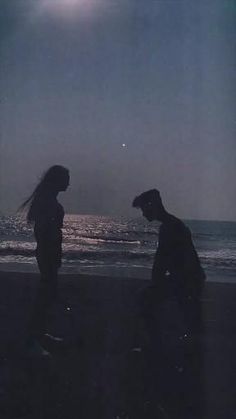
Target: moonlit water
pixel 118 247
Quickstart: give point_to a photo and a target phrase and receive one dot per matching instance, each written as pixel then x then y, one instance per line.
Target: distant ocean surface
pixel 117 247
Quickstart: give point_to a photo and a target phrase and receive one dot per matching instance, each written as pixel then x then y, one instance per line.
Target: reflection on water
pixel 118 246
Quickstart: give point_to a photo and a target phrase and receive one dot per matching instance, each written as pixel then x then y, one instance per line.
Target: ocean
pixel 117 246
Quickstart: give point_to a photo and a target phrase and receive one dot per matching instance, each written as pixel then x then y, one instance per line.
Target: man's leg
pixel 191 307
pixel 148 322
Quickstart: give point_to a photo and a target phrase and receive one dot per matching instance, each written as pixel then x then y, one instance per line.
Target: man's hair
pixel 148 197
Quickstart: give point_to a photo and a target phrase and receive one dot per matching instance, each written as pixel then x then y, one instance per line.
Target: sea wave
pixel 99 239
pixel 218 263
pixel 80 254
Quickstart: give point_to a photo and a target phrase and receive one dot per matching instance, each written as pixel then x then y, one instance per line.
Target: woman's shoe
pixel 35 350
pixel 52 338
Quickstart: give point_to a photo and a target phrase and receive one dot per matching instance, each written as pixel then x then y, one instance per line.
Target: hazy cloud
pixel 157 76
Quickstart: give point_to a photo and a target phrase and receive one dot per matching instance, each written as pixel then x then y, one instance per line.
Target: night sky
pixel 128 94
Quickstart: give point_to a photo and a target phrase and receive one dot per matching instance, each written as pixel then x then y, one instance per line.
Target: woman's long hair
pixel 48 182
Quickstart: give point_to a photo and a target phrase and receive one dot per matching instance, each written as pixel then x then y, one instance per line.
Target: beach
pixel 95 373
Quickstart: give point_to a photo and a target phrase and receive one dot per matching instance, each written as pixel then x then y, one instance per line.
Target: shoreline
pixel 211 277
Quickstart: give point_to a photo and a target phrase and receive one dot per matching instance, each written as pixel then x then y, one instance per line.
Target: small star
pixel 123 145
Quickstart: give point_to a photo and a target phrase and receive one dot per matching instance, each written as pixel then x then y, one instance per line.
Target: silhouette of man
pixel 176 269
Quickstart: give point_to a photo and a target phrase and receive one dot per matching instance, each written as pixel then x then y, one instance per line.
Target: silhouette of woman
pixel 46 214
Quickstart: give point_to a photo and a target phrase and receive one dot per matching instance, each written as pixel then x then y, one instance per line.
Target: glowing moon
pixel 70 7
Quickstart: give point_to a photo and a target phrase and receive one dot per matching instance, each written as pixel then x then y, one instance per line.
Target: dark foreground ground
pixel 96 375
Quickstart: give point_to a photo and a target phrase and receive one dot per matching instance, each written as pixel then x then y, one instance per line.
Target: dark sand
pixel 95 375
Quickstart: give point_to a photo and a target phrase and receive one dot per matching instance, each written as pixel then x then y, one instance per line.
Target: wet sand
pixel 95 374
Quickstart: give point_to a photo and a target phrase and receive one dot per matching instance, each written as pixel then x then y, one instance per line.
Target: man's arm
pixel 160 265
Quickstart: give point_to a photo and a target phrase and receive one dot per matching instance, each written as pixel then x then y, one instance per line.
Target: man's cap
pixel 147 198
